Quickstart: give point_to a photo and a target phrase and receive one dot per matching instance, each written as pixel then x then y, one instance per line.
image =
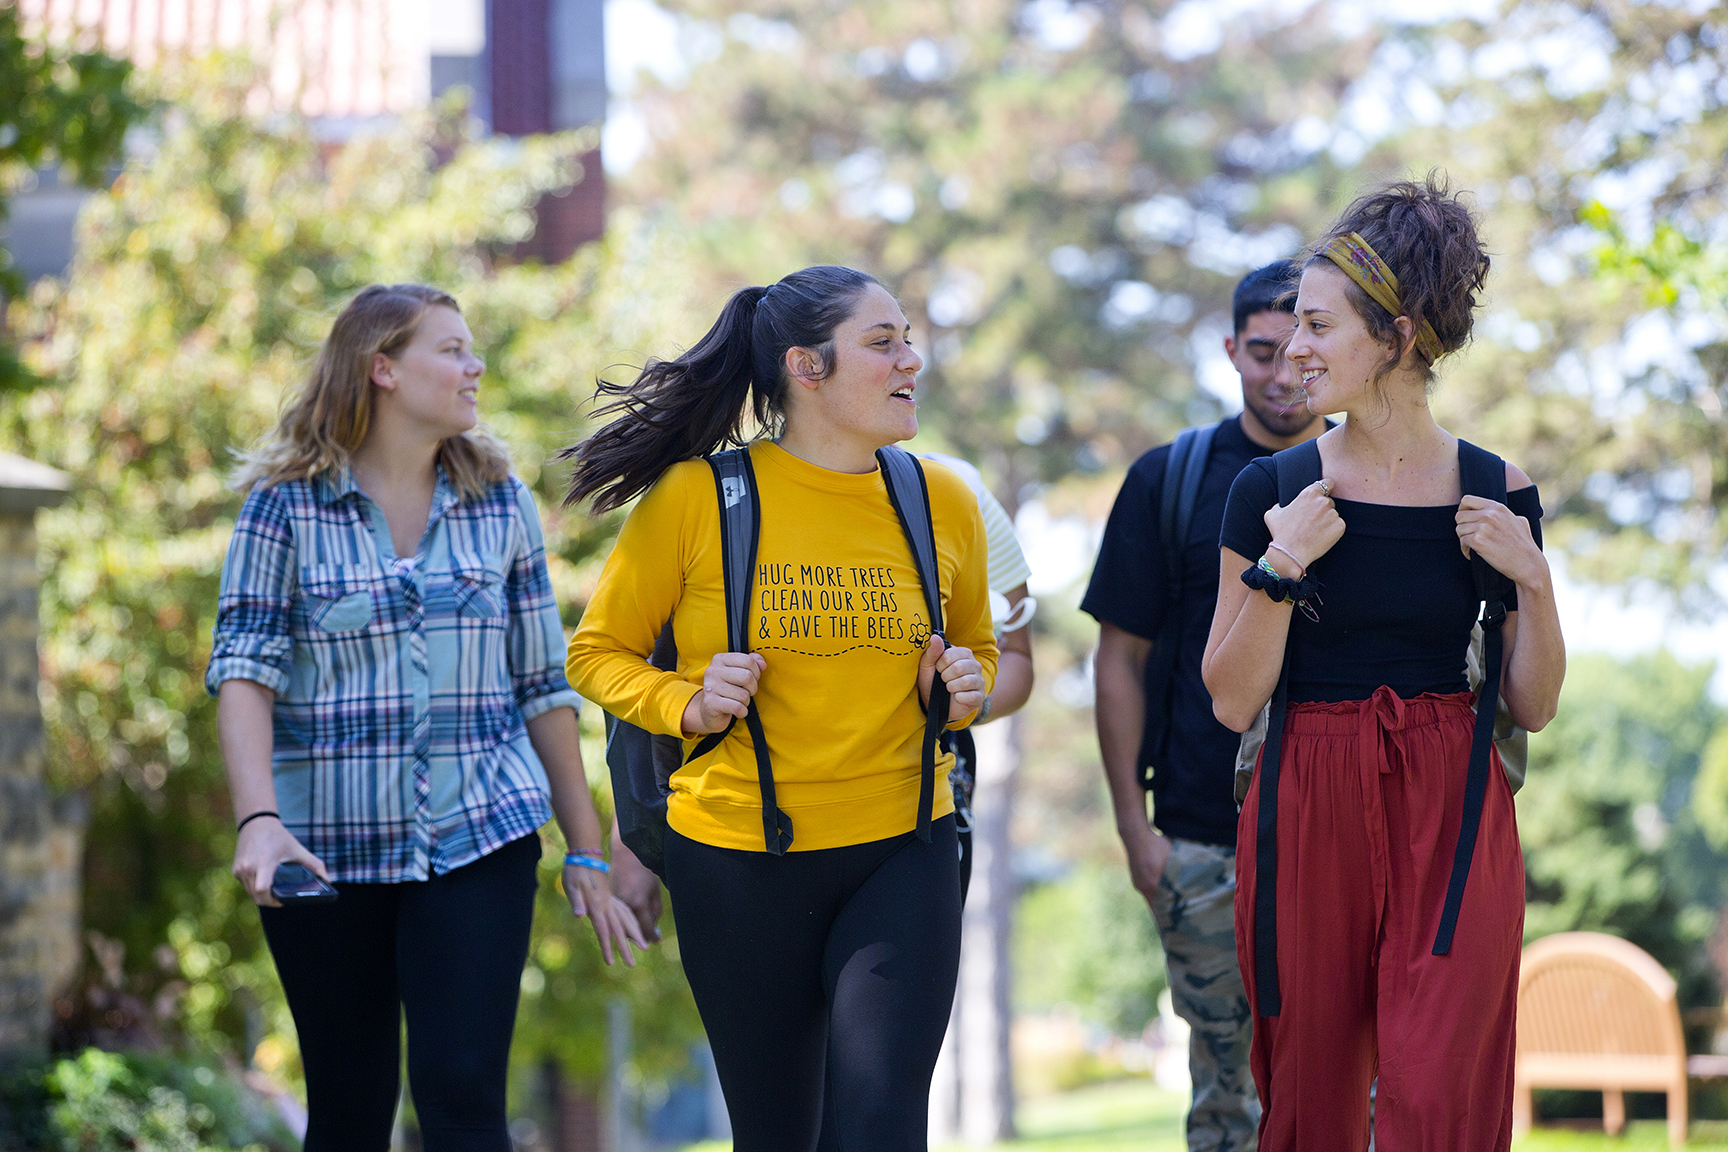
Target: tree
pixel 1061 198
pixel 1615 812
pixel 1592 137
pixel 73 108
pixel 203 283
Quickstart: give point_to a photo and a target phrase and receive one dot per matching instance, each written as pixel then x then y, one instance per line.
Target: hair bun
pixel 1428 237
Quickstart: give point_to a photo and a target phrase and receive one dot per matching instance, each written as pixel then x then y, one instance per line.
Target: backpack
pixel 641 763
pixel 1483 474
pixel 1183 470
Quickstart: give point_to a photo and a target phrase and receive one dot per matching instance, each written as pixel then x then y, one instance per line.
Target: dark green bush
pixel 101 1101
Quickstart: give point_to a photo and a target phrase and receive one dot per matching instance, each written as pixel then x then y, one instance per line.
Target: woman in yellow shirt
pixel 841 952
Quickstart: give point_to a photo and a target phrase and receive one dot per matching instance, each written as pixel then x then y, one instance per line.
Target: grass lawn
pixel 1136 1115
pixel 1129 1115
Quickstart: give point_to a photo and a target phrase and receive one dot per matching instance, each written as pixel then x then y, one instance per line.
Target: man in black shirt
pixel 1182 855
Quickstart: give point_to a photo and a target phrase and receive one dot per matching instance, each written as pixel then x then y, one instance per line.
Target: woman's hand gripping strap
pixel 735 484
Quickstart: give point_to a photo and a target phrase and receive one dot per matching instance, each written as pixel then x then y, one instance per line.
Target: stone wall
pixel 40 841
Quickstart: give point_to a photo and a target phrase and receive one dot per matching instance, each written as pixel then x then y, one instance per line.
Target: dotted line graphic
pixel 842 652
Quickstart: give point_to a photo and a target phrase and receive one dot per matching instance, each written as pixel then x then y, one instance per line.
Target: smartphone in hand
pixel 298 884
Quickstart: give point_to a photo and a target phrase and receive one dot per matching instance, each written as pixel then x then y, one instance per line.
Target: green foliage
pixel 1063 196
pixel 1710 793
pixel 70 107
pixel 102 1106
pixel 1665 266
pixel 1600 354
pixel 73 107
pixel 567 992
pixel 107 1102
pixel 1611 821
pixel 1021 189
pixel 1087 941
pixel 204 281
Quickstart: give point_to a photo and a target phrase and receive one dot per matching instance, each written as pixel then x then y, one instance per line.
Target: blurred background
pixel 1063 195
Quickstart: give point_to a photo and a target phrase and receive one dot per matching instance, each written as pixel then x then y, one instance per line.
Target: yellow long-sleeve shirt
pixel 838 615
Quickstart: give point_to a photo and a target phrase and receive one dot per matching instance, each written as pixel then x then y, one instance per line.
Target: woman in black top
pixel 1366 813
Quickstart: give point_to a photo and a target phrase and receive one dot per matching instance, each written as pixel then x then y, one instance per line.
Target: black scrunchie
pixel 1280 588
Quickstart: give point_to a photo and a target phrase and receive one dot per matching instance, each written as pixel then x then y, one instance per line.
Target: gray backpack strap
pixel 740 529
pixel 735 487
pixel 903 476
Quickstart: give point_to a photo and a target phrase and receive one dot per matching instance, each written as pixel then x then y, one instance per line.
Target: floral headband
pixel 1363 265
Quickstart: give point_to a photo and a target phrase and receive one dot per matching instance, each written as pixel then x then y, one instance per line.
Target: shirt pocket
pixel 338 597
pixel 477 582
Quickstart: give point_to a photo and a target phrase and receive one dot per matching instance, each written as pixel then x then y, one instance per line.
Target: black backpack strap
pixel 1296 468
pixel 1184 468
pixel 908 492
pixel 1482 474
pixel 1193 470
pixel 740 528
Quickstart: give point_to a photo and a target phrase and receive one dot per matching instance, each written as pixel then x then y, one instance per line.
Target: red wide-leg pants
pixel 1370 798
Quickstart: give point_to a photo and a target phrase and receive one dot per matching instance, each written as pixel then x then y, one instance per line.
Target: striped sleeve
pixel 536 648
pixel 253 640
pixel 1008 567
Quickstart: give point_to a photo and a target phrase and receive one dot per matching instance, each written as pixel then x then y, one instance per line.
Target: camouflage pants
pixel 1195 913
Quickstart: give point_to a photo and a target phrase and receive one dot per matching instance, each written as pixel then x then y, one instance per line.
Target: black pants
pixel 448 952
pixel 840 960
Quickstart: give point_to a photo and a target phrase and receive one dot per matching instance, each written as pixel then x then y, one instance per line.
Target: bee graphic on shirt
pixel 920 633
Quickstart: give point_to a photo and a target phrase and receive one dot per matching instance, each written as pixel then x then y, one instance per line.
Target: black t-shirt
pixel 1397 598
pixel 1195 799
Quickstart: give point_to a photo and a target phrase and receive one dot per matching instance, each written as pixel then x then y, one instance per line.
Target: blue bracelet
pixel 579 860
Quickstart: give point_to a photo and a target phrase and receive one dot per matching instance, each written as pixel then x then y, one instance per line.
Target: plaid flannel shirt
pixel 402 684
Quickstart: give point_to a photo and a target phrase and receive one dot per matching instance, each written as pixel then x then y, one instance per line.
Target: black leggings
pixel 448 952
pixel 839 958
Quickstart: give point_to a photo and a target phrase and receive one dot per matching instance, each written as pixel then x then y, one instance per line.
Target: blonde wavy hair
pixel 328 418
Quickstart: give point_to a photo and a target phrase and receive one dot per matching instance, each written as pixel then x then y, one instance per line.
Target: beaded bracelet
pixel 587 860
pixel 1283 590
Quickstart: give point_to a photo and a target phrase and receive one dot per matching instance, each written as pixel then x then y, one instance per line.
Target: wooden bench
pixel 1598 1013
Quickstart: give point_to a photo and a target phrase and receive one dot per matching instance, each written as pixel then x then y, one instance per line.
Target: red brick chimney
pixel 546 64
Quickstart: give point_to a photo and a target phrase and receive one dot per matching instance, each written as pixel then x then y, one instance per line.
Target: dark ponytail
pixel 687 408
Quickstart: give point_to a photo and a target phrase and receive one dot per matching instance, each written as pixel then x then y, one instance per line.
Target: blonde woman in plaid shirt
pixel 394 716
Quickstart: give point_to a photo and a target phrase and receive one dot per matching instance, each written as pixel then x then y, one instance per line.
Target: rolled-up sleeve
pixel 536 644
pixel 252 637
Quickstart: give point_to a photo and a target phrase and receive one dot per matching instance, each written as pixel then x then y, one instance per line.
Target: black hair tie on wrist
pixel 254 816
pixel 1282 589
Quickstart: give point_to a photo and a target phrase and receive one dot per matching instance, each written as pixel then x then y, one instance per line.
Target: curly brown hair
pixel 1427 236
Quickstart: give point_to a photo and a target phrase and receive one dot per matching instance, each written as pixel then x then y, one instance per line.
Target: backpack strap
pixel 1295 469
pixel 740 529
pixel 1482 474
pixel 908 492
pixel 1184 468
